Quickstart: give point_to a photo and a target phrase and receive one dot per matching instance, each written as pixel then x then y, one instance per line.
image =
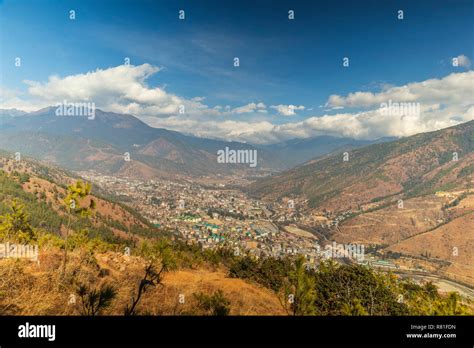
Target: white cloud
pixel 456 88
pixel 287 110
pixel 443 102
pixel 252 107
pixel 463 61
pixel 254 132
pixel 118 89
pixel 13 99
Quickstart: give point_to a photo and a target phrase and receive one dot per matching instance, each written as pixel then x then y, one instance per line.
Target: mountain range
pixel 79 143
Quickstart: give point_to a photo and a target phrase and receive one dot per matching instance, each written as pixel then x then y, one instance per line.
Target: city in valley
pixel 215 215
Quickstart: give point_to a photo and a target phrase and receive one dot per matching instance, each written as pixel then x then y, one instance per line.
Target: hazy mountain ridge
pixel 298 151
pixel 100 143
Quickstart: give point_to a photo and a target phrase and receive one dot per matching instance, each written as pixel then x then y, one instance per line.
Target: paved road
pixel 442 283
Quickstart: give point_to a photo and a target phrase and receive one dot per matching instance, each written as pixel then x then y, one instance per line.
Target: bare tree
pixel 152 278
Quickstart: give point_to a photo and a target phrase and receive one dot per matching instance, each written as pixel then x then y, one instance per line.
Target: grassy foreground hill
pixel 101 258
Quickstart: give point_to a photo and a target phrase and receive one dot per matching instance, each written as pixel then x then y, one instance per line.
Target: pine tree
pixel 15 225
pixel 299 294
pixel 95 300
pixel 355 308
pixel 76 194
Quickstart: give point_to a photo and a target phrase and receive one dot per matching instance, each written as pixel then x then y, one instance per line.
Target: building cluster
pixel 212 217
pixel 215 216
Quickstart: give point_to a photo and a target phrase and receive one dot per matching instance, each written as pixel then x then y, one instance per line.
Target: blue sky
pixel 282 62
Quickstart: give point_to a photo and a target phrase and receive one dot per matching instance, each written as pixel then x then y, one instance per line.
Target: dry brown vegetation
pixel 440 238
pixel 453 242
pixel 29 288
pixel 392 224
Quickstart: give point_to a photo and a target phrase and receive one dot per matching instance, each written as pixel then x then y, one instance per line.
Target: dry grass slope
pixel 28 288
